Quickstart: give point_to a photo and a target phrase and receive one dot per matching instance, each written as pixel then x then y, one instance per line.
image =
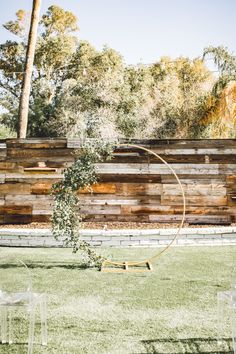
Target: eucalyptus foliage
pixel 66 216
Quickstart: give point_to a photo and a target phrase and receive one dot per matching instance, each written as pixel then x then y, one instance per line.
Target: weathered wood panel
pixel 133 186
pixel 35 153
pixel 101 188
pixel 139 189
pixel 36 143
pixel 212 189
pixel 158 168
pixel 192 219
pixel 14 188
pixel 194 200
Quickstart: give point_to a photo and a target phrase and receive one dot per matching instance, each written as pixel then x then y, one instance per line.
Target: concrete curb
pixel 123 238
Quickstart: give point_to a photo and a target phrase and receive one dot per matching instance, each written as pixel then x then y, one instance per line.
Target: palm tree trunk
pixel 26 84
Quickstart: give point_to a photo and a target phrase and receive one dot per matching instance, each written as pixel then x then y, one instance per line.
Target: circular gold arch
pixel 158 254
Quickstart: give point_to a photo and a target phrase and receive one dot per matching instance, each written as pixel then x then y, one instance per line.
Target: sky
pixel 142 31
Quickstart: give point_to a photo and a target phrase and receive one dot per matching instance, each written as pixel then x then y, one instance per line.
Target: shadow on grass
pixel 46 265
pixel 18 348
pixel 187 346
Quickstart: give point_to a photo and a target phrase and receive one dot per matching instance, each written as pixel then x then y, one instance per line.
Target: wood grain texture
pixel 133 186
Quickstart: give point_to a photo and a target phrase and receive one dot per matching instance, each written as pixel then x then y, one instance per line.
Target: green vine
pixel 66 217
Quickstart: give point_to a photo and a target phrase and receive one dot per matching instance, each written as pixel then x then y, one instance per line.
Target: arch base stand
pixel 124 267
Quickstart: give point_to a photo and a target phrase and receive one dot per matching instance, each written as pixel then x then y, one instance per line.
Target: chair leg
pixel 4 325
pixel 10 325
pixel 31 329
pixel 221 307
pixel 43 316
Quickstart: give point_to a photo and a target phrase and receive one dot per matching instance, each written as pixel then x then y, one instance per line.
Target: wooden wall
pixel 133 186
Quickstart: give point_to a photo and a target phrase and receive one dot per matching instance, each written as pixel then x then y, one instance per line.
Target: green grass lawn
pixel 170 310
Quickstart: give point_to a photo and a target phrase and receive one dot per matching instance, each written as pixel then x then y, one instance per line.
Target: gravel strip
pixel 111 226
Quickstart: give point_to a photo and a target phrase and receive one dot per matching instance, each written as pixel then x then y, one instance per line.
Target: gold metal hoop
pixel 148 261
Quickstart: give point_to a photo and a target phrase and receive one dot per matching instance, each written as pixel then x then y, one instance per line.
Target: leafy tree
pixel 79 91
pixel 181 89
pixel 133 108
pixel 72 84
pixel 56 45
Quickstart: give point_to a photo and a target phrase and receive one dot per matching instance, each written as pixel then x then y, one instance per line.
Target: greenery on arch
pixel 66 217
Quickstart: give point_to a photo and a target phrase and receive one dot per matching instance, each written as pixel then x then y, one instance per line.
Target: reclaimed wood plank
pixel 194 200
pixel 195 189
pixel 122 218
pixel 132 168
pixel 15 188
pixel 59 165
pixel 147 159
pixel 19 198
pixel 145 209
pixel 209 219
pixel 42 211
pixel 3 154
pixel 111 199
pixel 61 160
pixel 101 209
pixel 11 177
pixel 42 153
pixel 139 189
pixel 36 143
pixel 103 200
pixel 170 210
pixel 40 170
pixel 174 158
pixel 41 188
pixel 227 169
pixel 41 218
pixel 6 165
pixel 194 179
pixel 124 178
pixel 222 159
pixel 16 209
pixel 191 219
pixel 183 143
pixel 195 210
pixel 17 219
pixel 99 188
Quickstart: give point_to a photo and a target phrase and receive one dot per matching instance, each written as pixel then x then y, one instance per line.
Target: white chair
pixel 10 300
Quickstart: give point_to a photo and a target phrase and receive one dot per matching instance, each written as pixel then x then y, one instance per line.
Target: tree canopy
pixel 80 91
